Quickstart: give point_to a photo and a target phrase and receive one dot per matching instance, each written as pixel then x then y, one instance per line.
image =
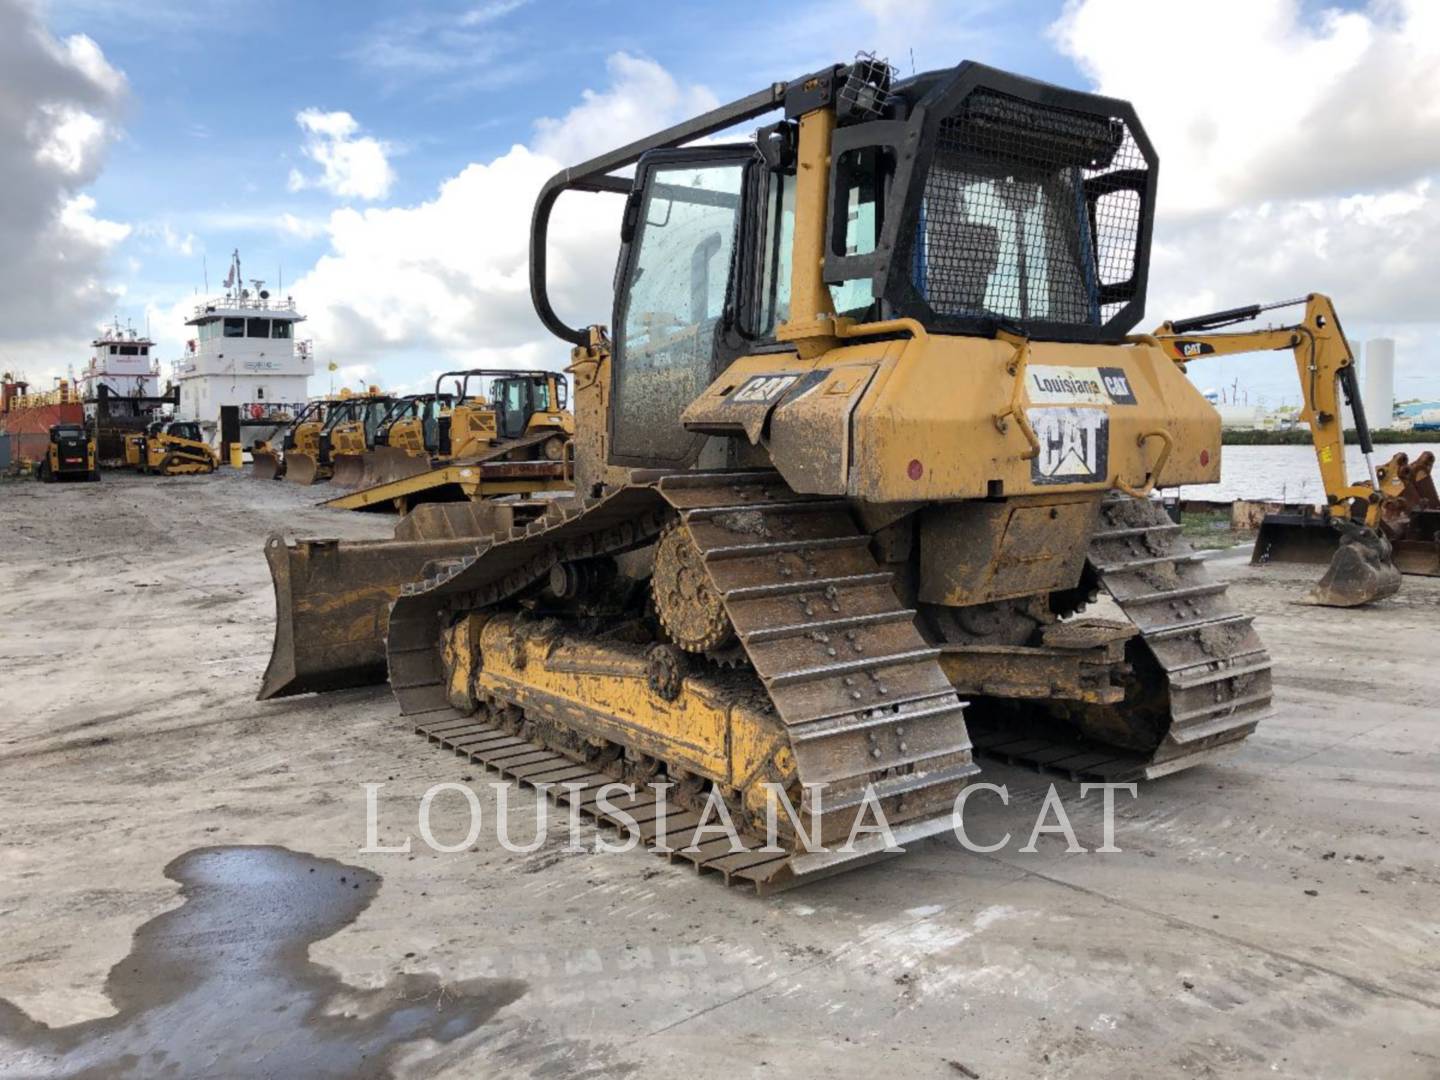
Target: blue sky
pixel 1255 204
pixel 210 134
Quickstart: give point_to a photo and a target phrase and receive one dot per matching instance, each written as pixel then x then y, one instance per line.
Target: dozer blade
pixel 266 465
pixel 1362 571
pixel 386 464
pixel 301 468
pixel 332 607
pixel 349 470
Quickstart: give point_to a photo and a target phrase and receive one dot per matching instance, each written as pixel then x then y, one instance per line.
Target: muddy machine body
pixel 870 432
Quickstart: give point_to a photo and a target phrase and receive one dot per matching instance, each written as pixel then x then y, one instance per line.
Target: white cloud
pixel 77 215
pixel 1299 151
pixel 451 275
pixel 351 164
pixel 68 138
pixel 59 110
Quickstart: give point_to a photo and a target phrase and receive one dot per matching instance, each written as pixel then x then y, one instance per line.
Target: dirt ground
pixel 1271 915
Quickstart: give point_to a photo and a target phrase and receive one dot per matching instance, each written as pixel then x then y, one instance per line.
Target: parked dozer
pixel 498 432
pixel 342 441
pixel 170 448
pixel 1352 535
pixel 267 462
pixel 871 432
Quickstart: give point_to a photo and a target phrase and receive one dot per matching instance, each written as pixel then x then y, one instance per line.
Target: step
pixel 826 626
pixel 1156 560
pixel 1171 630
pixel 1212 588
pixel 772 547
pixel 826 728
pixel 848 667
pixel 1138 530
pixel 705 513
pixel 785 588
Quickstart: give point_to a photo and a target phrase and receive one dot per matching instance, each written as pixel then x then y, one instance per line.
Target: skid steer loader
pixel 171 448
pixel 870 433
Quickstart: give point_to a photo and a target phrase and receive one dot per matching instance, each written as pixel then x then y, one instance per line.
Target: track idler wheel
pixel 689 608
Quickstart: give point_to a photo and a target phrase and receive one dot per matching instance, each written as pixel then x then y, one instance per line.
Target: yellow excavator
pixel 267 462
pixel 341 441
pixel 171 448
pixel 497 431
pixel 1348 535
pixel 871 431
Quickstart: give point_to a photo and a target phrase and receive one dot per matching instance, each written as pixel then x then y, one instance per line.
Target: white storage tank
pixel 1377 387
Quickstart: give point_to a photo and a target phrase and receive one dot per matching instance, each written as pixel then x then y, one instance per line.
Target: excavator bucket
pixel 301 468
pixel 332 607
pixel 349 470
pixel 1418 551
pixel 1363 570
pixel 265 464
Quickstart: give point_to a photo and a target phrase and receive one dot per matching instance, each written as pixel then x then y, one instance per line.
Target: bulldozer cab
pixel 516 400
pixel 185 429
pixel 968 200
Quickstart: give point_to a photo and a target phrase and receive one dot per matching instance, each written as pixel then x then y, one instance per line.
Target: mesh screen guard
pixel 1009 202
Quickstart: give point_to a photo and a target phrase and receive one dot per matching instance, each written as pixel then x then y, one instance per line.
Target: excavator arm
pixel 1362 568
pixel 1326 370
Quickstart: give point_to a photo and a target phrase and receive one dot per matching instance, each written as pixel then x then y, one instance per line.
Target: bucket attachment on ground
pixel 301 468
pixel 1363 569
pixel 265 464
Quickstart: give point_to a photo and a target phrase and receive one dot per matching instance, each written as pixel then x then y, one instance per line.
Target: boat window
pixel 257 328
pixel 234 327
pixel 113 349
pixel 128 350
pixel 279 328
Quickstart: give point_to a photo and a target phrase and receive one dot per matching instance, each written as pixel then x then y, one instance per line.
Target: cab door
pixel 681 227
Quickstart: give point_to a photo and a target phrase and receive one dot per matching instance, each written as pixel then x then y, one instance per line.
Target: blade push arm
pixel 1326 369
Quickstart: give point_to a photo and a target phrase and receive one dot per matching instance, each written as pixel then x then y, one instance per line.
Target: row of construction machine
pixel 170 448
pixel 327 434
pixel 494 432
pixel 871 430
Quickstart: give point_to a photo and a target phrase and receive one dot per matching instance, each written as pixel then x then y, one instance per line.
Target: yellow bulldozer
pixel 338 446
pixel 496 432
pixel 267 461
pixel 170 448
pixel 871 431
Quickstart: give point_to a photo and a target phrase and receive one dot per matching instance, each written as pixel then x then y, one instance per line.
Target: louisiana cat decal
pixel 1074 445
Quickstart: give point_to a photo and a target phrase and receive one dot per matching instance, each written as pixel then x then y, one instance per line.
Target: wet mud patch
pixel 223 985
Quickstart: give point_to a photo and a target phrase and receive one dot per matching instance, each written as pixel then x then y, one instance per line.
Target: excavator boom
pixel 1361 568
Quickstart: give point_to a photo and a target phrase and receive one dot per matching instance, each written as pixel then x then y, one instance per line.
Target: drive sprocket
pixel 689 608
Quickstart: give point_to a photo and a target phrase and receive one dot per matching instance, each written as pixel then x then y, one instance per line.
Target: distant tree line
pixel 1300 436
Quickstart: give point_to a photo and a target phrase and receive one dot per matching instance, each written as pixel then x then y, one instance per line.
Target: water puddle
pixel 223 986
